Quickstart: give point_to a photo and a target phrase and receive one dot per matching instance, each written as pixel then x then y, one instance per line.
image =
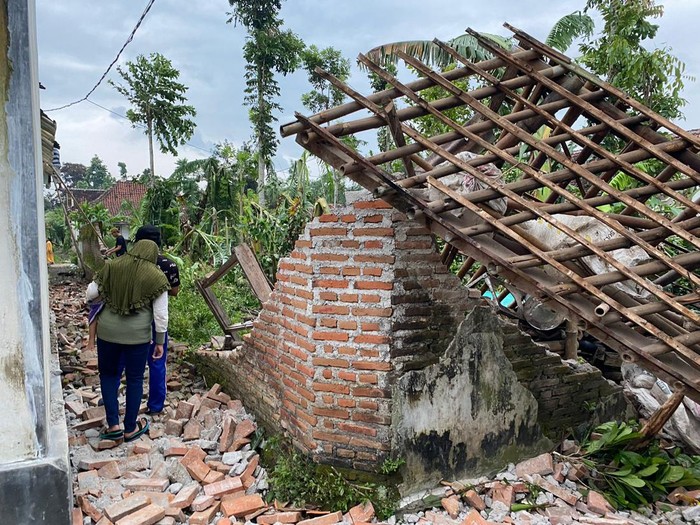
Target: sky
pixel 78 39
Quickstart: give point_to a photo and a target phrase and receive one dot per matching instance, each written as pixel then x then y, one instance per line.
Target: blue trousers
pixel 156 374
pixel 112 358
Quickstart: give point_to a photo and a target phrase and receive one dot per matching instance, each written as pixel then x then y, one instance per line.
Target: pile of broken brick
pixel 196 465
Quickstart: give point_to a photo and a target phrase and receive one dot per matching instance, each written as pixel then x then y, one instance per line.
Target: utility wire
pixel 128 41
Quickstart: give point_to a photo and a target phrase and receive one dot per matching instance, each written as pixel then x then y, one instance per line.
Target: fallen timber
pixel 542 87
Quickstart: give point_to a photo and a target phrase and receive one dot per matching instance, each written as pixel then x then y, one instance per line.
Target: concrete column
pixel 34 472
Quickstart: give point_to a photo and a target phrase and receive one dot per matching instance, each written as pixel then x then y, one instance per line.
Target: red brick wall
pixel 362 296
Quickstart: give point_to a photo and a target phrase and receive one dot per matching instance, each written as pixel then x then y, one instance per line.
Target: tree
pixel 324 95
pixel 268 50
pixel 158 102
pixel 97 176
pixel 73 173
pixel 122 170
pixel 562 34
pixel 621 55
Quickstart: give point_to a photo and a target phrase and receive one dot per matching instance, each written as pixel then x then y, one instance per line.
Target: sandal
pixel 114 435
pixel 142 427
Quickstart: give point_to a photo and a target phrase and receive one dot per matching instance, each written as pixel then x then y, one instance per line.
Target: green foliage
pixel 391 465
pixel 631 478
pixel 92 213
pixel 95 176
pixel 268 50
pixel 158 101
pixel 324 94
pixel 72 173
pixel 621 55
pixel 55 223
pixel 190 317
pixel 296 479
pixel 568 28
pixel 429 53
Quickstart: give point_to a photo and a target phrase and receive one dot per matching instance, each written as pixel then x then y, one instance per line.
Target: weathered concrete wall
pixel 353 356
pixel 466 414
pixel 34 472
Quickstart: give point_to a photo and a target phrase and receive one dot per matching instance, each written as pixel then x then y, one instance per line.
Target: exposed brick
pixel 541 464
pixel 328 217
pixel 225 486
pixel 242 506
pixel 379 259
pixel 327 519
pixel 373 285
pixel 146 485
pixel 317 232
pixel 127 506
pixel 349 297
pixel 331 412
pixel 146 516
pixel 373 232
pixel 204 517
pixel 330 309
pixel 325 361
pixel 329 257
pixel 357 429
pixel 331 387
pixel 374 339
pixel 347 376
pixel 351 270
pixel 279 517
pixel 186 496
pixel 329 336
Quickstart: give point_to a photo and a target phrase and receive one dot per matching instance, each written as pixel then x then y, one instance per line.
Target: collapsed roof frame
pixel 661 333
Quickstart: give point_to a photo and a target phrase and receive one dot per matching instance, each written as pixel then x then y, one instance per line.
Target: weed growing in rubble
pixel 630 478
pixel 296 479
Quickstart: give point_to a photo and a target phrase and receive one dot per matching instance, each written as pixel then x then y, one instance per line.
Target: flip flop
pixel 142 425
pixel 114 435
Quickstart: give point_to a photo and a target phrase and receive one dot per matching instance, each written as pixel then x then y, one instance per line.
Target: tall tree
pixel 324 94
pixel 158 102
pixel 623 54
pixel 73 173
pixel 122 170
pixel 268 50
pixel 97 176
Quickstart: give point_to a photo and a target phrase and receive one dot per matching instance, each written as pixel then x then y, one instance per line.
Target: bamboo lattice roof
pixel 644 309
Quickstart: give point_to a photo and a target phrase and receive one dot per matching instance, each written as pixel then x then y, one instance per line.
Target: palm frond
pixel 568 28
pixel 429 53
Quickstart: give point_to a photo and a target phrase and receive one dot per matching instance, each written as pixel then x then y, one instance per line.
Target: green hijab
pixel 133 280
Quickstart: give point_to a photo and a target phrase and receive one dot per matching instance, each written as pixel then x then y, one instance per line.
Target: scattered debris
pixel 196 464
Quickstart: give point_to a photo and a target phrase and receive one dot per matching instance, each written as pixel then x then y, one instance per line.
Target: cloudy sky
pixel 78 39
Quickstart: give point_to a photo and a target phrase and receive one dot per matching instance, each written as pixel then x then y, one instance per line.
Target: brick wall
pixel 362 302
pixel 362 296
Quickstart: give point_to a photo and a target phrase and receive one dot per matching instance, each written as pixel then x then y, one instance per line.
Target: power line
pixel 137 123
pixel 128 41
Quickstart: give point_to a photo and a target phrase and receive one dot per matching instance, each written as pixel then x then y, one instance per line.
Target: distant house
pixel 79 196
pixel 112 199
pixel 123 191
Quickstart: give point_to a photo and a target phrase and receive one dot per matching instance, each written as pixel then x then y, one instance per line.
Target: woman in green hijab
pixel 134 291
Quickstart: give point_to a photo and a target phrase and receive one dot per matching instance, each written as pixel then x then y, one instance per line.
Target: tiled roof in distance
pixel 132 192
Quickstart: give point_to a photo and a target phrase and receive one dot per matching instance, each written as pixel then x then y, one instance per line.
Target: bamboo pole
pixel 418 85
